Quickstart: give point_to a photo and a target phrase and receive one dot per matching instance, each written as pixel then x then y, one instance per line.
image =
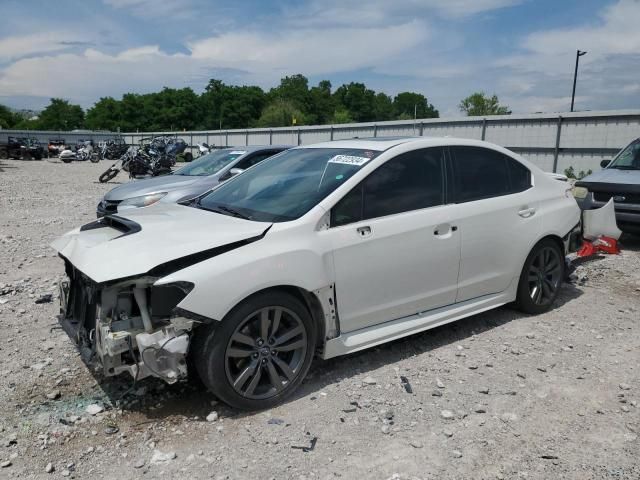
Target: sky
pixel 521 50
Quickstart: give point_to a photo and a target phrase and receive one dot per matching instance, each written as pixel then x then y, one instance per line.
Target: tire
pixel 108 175
pixel 66 160
pixel 256 369
pixel 3 155
pixel 541 278
pixel 94 159
pixel 188 157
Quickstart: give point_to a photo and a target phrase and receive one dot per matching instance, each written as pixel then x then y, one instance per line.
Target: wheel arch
pixel 310 300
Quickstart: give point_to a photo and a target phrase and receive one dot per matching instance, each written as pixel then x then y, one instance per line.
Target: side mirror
pixel 235 171
pixel 605 163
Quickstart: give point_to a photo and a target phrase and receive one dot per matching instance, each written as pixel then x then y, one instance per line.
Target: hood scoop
pixel 123 225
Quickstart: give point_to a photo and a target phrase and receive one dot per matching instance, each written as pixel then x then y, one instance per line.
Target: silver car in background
pixel 189 181
pixel 619 179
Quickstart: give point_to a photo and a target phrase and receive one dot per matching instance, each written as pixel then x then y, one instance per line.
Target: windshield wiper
pixel 233 212
pixel 624 167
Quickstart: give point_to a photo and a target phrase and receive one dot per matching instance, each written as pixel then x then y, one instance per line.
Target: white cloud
pixel 154 8
pixel 312 51
pixel 616 33
pixel 385 12
pixel 36 43
pixel 264 57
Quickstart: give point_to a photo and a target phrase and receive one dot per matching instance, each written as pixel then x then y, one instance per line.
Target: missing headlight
pixel 164 298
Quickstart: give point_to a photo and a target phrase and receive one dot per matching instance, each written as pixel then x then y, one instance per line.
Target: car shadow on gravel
pixel 152 400
pixel 4 166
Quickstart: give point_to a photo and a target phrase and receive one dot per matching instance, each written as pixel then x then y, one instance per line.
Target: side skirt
pixel 402 327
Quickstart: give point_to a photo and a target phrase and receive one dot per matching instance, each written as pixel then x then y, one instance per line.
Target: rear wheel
pixel 259 354
pixel 541 278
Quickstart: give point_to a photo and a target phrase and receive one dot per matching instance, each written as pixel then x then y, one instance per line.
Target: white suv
pixel 324 249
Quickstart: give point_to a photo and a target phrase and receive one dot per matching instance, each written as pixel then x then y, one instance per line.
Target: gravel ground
pixel 498 395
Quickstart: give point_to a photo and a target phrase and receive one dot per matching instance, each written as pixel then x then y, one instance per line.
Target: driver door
pixel 395 251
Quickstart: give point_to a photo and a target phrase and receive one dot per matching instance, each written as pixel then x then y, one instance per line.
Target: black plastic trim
pixel 181 263
pixel 610 187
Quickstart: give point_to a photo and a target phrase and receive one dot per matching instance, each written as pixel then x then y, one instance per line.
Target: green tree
pixel 383 107
pixel 104 115
pixel 408 104
pixel 358 100
pixel 341 115
pixel 226 106
pixel 8 118
pixel 281 113
pixel 172 109
pixel 322 103
pixel 479 104
pixel 61 115
pixel 132 113
pixel 295 90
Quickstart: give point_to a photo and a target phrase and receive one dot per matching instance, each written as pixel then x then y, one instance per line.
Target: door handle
pixel 444 229
pixel 527 212
pixel 364 231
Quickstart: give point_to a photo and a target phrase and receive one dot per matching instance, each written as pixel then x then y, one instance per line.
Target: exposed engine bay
pixel 128 325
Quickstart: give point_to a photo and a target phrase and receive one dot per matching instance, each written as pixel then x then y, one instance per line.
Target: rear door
pixel 395 252
pixel 496 214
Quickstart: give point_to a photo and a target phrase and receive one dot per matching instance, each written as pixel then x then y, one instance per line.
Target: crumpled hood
pixel 145 186
pixel 150 237
pixel 613 175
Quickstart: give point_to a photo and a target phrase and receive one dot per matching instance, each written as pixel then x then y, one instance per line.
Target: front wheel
pixel 108 175
pixel 541 278
pixel 94 159
pixel 260 352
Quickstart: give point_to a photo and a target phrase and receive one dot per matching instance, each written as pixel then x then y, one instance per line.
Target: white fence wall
pixel 552 141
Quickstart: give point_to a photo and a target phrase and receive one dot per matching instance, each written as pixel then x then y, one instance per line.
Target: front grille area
pixel 630 198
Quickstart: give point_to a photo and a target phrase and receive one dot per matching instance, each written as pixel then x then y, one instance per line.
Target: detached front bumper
pixel 124 336
pixel 627 214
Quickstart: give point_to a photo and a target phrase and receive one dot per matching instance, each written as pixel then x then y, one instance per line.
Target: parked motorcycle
pixel 203 149
pixel 151 160
pixel 83 151
pixel 112 149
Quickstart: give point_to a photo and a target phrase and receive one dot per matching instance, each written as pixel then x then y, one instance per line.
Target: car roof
pixel 256 148
pixel 385 143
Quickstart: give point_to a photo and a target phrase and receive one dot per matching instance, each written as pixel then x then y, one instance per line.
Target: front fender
pixel 224 281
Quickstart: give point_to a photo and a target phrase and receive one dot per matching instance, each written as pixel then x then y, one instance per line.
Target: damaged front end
pixel 128 325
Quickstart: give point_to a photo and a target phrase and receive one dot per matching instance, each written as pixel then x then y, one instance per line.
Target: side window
pixel 519 175
pixel 479 173
pixel 410 181
pixel 254 159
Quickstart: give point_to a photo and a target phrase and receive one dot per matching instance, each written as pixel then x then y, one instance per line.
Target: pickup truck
pixel 24 148
pixel 619 179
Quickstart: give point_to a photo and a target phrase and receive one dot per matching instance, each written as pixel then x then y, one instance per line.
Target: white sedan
pixel 322 250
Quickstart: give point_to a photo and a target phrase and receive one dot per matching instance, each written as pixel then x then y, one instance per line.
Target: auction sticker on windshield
pixel 349 160
pixel 237 152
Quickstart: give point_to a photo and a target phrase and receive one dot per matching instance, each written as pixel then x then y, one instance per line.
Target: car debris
pixel 406 384
pixel 47 298
pixel 305 449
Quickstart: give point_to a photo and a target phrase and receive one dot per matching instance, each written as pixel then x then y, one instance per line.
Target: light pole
pixel 575 76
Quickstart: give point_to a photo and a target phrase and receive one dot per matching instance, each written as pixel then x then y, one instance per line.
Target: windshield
pixel 629 158
pixel 210 164
pixel 287 186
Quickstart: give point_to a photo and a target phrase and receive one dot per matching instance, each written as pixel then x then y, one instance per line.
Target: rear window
pixel 484 173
